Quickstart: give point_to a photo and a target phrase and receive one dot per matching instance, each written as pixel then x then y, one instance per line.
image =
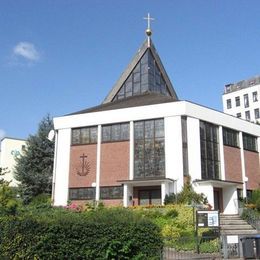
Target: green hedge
pixel 103 234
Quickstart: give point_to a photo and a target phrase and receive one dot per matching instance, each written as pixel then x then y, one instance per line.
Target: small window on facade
pixel 84 135
pixel 115 132
pixel 249 142
pixel 256 113
pixel 255 97
pixel 246 101
pixel 239 115
pixel 82 193
pixel 230 137
pixel 247 114
pixel 229 105
pixel 237 101
pixel 112 192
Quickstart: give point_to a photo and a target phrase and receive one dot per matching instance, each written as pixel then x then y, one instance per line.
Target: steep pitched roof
pixel 144 73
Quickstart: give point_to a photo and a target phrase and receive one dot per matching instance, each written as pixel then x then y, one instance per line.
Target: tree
pixel 34 167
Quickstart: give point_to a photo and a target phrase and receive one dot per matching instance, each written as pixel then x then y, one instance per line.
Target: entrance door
pixel 149 197
pixel 218 199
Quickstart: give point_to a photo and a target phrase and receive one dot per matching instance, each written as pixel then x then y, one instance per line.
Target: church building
pixel 143 142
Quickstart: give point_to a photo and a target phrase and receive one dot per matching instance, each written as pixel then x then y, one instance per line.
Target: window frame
pixel 80 129
pixel 111 140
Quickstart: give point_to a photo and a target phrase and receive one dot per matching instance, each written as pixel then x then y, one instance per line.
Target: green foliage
pixel 8 201
pixel 255 199
pixel 186 196
pixel 34 167
pixel 62 234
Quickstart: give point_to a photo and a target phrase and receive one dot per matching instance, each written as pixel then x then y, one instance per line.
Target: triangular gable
pixel 149 82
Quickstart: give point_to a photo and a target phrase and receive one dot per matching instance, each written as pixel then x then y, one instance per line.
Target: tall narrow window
pixel 184 146
pixel 229 105
pixel 247 115
pixel 149 158
pixel 209 144
pixel 237 101
pixel 249 142
pixel 246 101
pixel 255 96
pixel 230 137
pixel 257 113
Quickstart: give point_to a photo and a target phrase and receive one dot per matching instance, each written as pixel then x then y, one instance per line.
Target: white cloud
pixel 2 134
pixel 26 50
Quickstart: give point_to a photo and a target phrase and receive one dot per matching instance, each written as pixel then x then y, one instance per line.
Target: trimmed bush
pixel 102 234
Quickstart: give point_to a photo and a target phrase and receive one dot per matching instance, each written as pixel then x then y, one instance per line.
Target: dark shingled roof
pixel 145 99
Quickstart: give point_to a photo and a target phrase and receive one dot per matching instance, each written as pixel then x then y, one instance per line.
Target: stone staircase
pixel 234 225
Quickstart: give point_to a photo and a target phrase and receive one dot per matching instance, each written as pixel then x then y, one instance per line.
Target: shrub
pixel 60 234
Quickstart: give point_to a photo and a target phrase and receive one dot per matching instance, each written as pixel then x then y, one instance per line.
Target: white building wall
pixel 193 133
pixel 173 150
pixel 62 158
pixel 10 149
pixel 207 190
pixel 234 110
pixel 230 201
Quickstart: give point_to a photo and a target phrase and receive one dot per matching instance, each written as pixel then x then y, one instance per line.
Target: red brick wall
pixel 75 164
pixel 114 163
pixel 233 169
pixel 252 169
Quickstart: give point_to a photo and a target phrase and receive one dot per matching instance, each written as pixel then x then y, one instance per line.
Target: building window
pixel 250 142
pixel 229 105
pixel 237 101
pixel 149 157
pixel 115 132
pixel 185 146
pixel 210 163
pixel 246 101
pixel 255 96
pixel 112 192
pixel 257 113
pixel 145 76
pixel 84 135
pixel 82 193
pixel 247 115
pixel 239 115
pixel 230 137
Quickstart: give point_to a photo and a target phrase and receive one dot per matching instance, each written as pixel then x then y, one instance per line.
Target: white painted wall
pixel 62 158
pixel 207 190
pixel 173 150
pixel 193 134
pixel 10 149
pixel 230 202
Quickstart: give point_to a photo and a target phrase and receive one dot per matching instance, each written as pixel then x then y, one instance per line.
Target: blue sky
pixel 62 56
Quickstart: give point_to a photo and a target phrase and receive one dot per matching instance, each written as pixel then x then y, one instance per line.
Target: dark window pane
pixel 159 128
pixel 149 129
pixel 93 134
pixel 106 133
pixel 75 136
pixel 125 131
pixel 85 136
pixel 115 132
pixel 139 130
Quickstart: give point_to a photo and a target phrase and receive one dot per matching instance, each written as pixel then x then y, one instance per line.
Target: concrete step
pixel 239 232
pixel 237 227
pixel 233 222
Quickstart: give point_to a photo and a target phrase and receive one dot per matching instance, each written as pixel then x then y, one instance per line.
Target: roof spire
pixel 148 31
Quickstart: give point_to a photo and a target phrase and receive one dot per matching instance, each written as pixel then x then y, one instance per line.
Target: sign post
pixel 206 219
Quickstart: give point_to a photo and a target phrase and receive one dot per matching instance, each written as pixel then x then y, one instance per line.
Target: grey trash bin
pixel 248 247
pixel 257 245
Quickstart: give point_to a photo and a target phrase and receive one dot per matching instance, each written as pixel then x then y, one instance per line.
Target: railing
pixel 251 217
pixel 188 247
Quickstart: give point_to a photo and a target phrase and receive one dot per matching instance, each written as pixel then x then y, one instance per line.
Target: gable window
pixel 209 144
pixel 230 137
pixel 257 113
pixel 250 142
pixel 149 155
pixel 247 115
pixel 255 96
pixel 84 135
pixel 237 101
pixel 246 101
pixel 145 76
pixel 115 132
pixel 229 105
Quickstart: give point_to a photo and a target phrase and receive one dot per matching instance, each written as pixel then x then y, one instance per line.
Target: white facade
pixel 171 113
pixel 243 99
pixel 10 149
